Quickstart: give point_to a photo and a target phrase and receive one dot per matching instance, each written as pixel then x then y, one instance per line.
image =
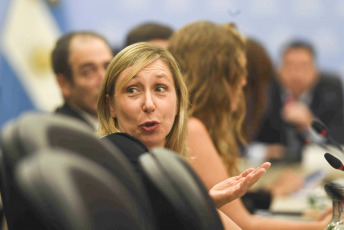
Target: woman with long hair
pixel 213 61
pixel 144 96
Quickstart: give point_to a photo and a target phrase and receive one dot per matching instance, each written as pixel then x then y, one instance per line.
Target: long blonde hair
pixel 209 56
pixel 138 56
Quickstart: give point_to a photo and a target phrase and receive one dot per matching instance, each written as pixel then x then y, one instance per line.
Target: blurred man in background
pixel 79 60
pixel 153 32
pixel 299 95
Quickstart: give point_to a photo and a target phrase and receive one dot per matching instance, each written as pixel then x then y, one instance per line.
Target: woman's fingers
pixel 246 172
pixel 254 175
pixel 265 165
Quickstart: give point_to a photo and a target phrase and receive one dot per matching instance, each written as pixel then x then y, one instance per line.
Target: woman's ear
pixel 111 106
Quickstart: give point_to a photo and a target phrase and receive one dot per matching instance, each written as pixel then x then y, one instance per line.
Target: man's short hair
pixel 60 54
pixel 148 31
pixel 299 44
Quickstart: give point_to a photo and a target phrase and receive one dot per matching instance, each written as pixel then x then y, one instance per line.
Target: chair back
pixel 33 132
pixel 183 190
pixel 69 192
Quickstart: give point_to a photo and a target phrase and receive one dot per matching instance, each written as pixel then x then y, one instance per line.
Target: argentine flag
pixel 29 30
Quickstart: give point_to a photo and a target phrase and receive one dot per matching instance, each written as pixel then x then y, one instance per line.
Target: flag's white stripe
pixel 29 35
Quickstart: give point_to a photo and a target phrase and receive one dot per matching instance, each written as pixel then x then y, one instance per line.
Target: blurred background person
pixel 79 61
pixel 260 74
pixel 153 32
pixel 27 36
pixel 214 69
pixel 299 95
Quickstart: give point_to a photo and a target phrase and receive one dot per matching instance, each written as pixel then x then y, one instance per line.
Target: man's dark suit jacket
pixel 326 105
pixel 69 111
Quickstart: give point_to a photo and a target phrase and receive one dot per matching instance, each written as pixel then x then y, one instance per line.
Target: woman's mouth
pixel 150 126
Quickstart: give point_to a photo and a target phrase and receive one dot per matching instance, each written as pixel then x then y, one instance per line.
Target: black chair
pixel 181 188
pixel 172 183
pixel 33 132
pixel 70 192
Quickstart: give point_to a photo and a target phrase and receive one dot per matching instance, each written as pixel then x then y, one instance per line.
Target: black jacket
pixel 67 110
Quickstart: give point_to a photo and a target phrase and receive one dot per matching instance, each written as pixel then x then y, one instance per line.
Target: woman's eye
pixel 160 89
pixel 132 90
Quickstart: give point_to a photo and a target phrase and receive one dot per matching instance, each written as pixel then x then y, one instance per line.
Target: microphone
pixel 334 162
pixel 334 191
pixel 321 129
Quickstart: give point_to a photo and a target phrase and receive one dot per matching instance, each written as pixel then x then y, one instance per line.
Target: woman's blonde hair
pixel 138 56
pixel 209 55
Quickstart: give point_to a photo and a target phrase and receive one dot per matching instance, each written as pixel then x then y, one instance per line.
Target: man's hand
pixel 235 187
pixel 297 114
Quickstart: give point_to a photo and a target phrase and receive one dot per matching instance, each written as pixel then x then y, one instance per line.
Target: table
pixel 313 197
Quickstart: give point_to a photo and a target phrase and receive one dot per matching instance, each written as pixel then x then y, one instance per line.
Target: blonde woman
pixel 144 96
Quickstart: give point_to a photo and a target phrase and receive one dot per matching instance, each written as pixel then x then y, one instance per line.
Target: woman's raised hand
pixel 235 187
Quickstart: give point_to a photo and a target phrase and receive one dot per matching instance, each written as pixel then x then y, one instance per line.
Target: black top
pixel 130 146
pixel 133 148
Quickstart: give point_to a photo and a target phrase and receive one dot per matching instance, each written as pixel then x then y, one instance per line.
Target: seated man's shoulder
pixel 330 78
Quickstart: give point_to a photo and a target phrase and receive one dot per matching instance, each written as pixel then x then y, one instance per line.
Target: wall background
pixel 29 28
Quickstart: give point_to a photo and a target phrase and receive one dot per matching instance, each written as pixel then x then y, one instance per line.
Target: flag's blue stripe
pixel 3 12
pixel 58 13
pixel 13 97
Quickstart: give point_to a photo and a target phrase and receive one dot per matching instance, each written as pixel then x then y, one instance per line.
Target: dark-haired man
pixel 299 95
pixel 79 61
pixel 153 32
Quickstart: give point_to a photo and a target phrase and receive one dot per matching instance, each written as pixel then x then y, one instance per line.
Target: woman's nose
pixel 148 105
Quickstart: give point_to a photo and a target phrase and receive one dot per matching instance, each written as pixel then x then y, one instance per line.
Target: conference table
pixel 309 201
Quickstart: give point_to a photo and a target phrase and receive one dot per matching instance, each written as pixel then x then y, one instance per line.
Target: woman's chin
pixel 151 143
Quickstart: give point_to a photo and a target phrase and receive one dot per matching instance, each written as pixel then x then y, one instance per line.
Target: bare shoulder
pixel 205 157
pixel 196 126
pixel 199 138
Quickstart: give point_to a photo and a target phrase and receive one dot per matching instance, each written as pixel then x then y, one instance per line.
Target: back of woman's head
pixel 136 57
pixel 209 57
pixel 260 73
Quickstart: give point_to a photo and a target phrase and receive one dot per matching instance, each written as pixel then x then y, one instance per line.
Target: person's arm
pixel 288 182
pixel 235 187
pixel 227 223
pixel 208 164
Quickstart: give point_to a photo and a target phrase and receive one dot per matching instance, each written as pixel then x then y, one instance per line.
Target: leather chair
pixel 184 192
pixel 69 192
pixel 33 132
pixel 174 187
